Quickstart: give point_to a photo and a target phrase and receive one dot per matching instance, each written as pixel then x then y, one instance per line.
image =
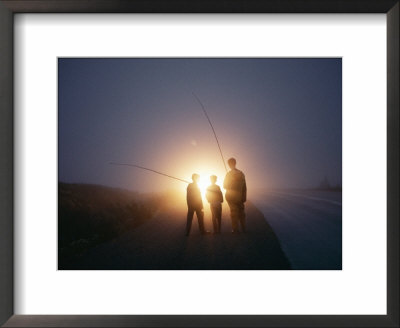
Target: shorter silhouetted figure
pixel 195 204
pixel 214 197
pixel 236 194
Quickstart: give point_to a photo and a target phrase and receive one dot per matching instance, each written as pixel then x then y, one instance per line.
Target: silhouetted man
pixel 195 204
pixel 214 197
pixel 236 194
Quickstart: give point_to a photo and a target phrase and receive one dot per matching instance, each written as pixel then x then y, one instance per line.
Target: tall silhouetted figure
pixel 214 197
pixel 236 194
pixel 195 204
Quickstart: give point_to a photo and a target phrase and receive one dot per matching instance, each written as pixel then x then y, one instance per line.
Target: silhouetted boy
pixel 195 204
pixel 214 197
pixel 236 194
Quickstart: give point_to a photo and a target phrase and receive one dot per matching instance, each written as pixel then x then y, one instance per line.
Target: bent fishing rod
pixel 170 176
pixel 151 170
pixel 212 127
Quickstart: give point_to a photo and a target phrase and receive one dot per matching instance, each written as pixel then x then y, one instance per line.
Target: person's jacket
pixel 214 194
pixel 193 196
pixel 235 186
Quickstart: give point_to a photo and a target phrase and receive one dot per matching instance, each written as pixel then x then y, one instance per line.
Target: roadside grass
pixel 89 215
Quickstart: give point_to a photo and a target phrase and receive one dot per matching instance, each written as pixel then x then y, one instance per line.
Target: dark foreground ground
pixel 160 243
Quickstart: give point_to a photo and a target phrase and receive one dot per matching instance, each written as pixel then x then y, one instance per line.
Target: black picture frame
pixel 10 7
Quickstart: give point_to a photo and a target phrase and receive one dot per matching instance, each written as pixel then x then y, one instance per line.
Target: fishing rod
pixel 212 127
pixel 147 169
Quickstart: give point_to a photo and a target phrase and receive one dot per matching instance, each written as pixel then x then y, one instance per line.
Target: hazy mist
pixel 280 118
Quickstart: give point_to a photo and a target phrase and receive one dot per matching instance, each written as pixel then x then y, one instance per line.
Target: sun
pixel 203 183
pixel 204 171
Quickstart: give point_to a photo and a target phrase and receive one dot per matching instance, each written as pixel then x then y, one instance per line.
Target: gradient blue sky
pixel 280 118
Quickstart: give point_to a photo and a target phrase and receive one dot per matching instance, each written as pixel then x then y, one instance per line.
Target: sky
pixel 280 118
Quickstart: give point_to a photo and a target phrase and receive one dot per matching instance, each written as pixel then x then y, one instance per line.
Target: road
pixel 308 225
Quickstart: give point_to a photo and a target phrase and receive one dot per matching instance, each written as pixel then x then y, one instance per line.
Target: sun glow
pixel 203 183
pixel 205 169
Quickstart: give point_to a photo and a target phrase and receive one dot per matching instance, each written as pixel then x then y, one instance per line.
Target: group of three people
pixel 236 193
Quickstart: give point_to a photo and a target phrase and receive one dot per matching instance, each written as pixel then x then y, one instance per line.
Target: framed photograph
pixel 203 164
